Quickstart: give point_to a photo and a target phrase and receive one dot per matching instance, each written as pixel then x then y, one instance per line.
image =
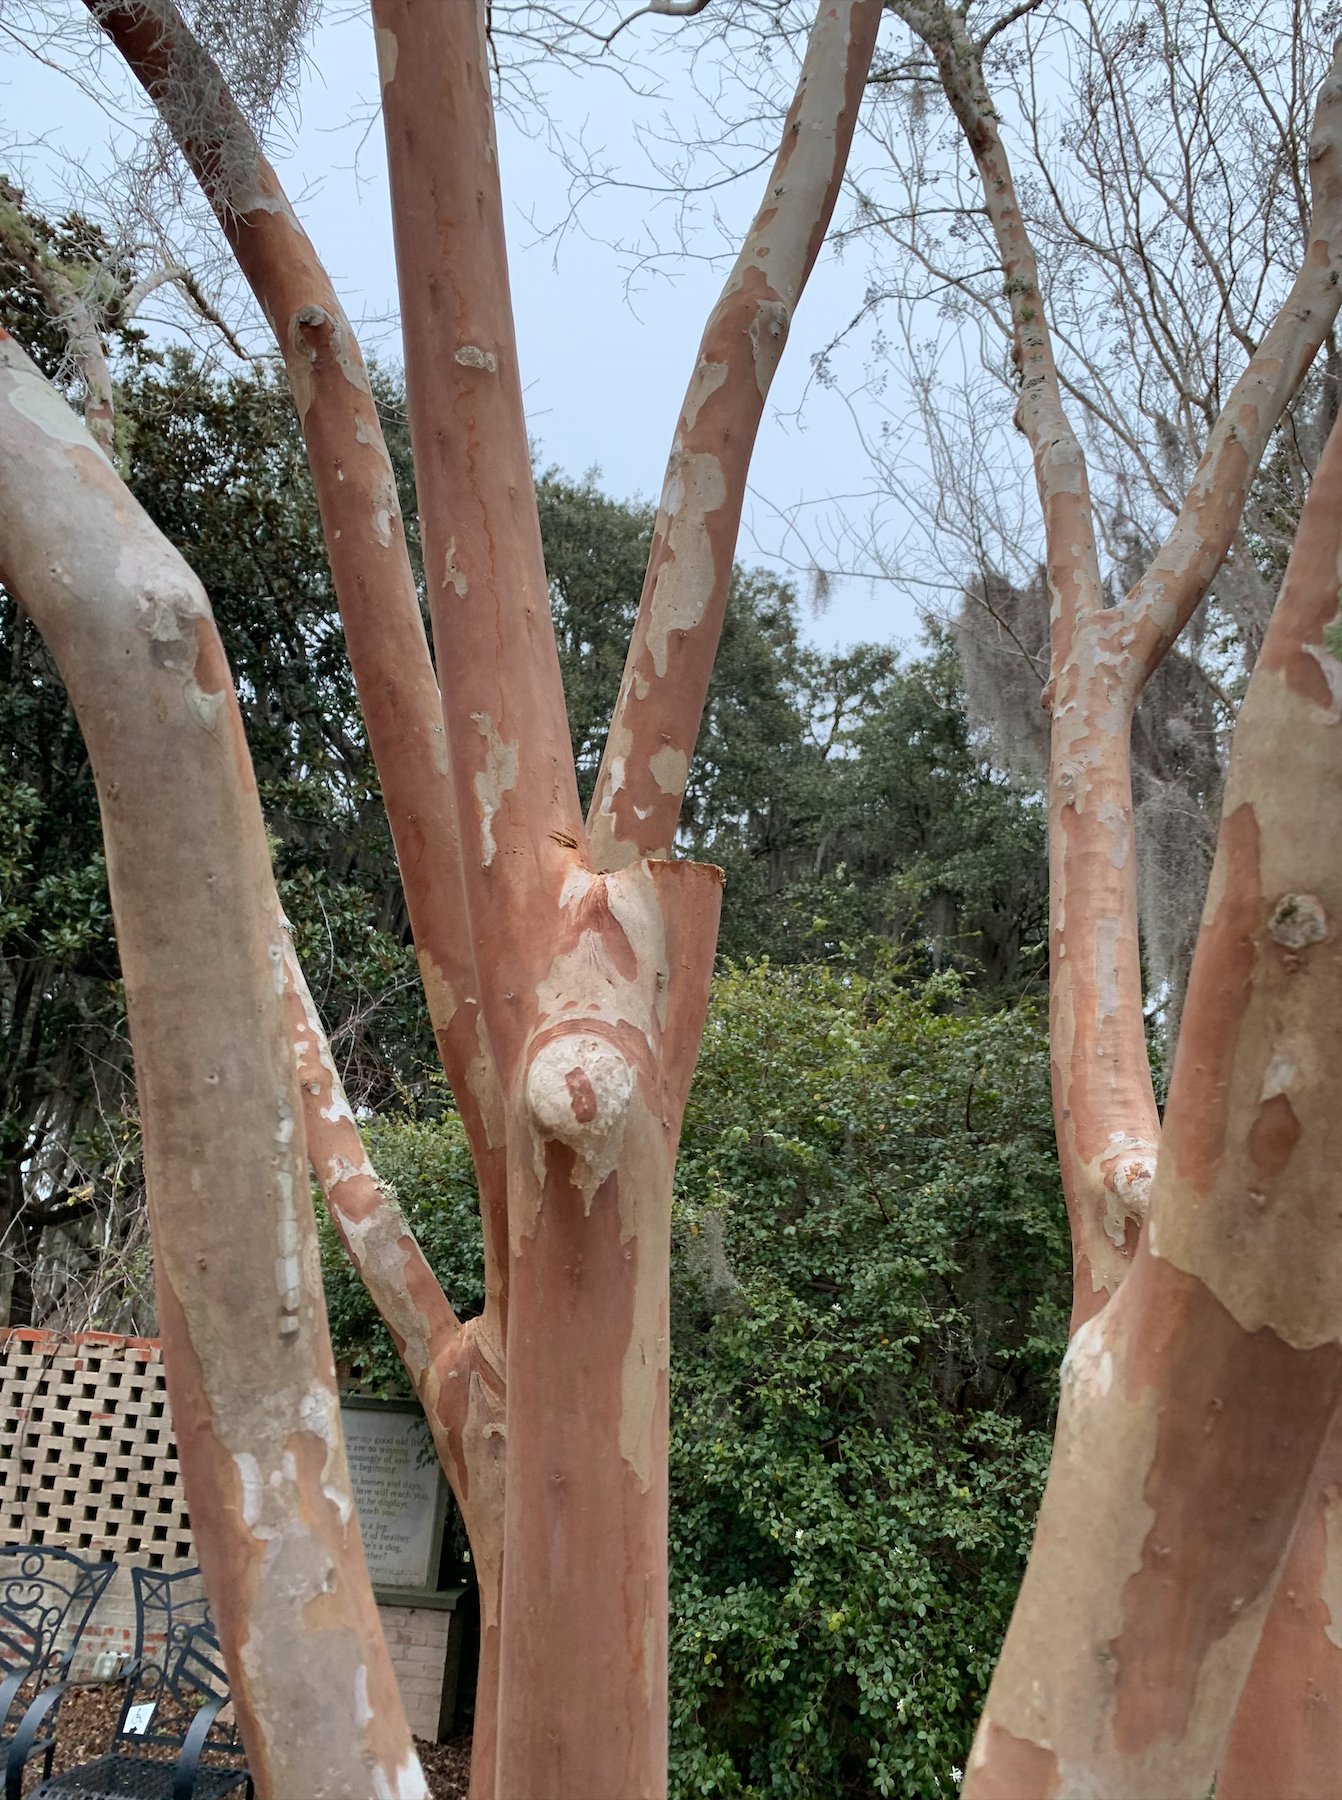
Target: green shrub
pixel 870 1274
pixel 870 1271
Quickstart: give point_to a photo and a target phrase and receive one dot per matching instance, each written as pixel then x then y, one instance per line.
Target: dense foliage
pixel 870 1284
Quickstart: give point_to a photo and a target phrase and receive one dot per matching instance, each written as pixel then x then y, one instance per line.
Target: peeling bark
pixel 456 1370
pixel 236 1266
pixel 398 694
pixel 1101 657
pixel 1288 1728
pixel 636 804
pixel 585 1541
pixel 593 987
pixel 364 539
pixel 503 703
pixel 568 1003
pixel 1194 1406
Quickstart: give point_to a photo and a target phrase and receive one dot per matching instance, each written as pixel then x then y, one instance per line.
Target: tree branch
pixel 70 308
pixel 246 1345
pixel 365 541
pixel 503 696
pixel 1165 598
pixel 381 1246
pixel 636 804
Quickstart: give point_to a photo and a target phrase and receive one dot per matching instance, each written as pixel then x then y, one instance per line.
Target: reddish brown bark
pixel 236 1265
pixel 1288 1728
pixel 517 793
pixel 1100 664
pixel 364 539
pixel 1101 658
pixel 595 1010
pixel 1195 1405
pixel 636 803
pixel 584 991
pixel 592 1008
pixel 398 693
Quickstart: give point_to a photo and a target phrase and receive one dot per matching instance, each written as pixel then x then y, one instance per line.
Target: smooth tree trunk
pixel 246 1348
pixel 1101 657
pixel 593 988
pixel 568 998
pixel 460 1382
pixel 1287 1737
pixel 1106 1113
pixel 365 544
pixel 1291 1724
pixel 593 979
pixel 1194 1406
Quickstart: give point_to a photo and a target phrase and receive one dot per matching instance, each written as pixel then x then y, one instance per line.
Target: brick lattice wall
pixel 87 1458
pixel 88 1462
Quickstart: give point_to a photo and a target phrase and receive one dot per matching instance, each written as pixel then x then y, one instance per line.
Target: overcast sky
pixel 604 370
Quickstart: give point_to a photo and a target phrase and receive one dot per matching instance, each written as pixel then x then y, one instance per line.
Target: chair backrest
pixel 46 1596
pixel 178 1666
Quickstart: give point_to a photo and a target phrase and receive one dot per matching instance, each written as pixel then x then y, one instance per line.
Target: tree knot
pixel 578 1092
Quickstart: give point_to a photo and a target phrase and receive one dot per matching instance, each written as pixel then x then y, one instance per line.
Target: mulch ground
pixel 88 1717
pixel 447 1767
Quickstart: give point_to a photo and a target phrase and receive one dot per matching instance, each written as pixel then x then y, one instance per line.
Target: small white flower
pixel 957 1775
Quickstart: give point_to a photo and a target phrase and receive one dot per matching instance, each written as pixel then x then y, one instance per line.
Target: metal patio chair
pixel 170 1743
pixel 46 1597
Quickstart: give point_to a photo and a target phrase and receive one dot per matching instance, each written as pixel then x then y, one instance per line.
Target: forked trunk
pixel 456 1373
pixel 593 985
pixel 586 991
pixel 594 989
pixel 1102 657
pixel 246 1348
pixel 1195 1404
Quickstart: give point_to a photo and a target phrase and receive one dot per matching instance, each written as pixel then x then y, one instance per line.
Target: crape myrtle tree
pixel 565 965
pixel 838 792
pixel 253 1388
pixel 1207 1325
pixel 565 962
pixel 1160 162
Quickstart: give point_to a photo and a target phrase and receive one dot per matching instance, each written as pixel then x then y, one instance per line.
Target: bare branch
pixel 1185 567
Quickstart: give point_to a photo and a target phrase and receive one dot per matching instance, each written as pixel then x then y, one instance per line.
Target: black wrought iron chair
pixel 46 1596
pixel 170 1743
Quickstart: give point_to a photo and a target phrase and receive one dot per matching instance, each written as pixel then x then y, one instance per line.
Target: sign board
pixel 399 1491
